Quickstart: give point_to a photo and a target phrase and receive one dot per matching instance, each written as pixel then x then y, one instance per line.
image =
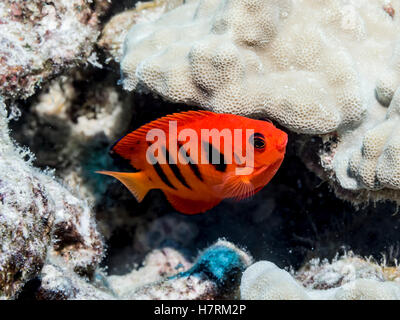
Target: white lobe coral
pixel 316 67
pixel 310 65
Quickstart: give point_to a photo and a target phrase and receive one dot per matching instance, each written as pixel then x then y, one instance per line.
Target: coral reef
pixel 59 283
pixel 315 67
pixel 115 30
pixel 265 281
pixel 70 126
pixel 293 62
pixel 215 274
pixel 346 278
pixel 38 40
pixel 158 264
pixel 371 160
pixel 328 71
pixel 318 274
pixel 39 218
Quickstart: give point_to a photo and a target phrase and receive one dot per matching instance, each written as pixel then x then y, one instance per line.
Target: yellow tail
pixel 134 181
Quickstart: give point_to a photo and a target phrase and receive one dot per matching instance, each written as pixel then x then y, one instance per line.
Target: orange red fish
pixel 199 158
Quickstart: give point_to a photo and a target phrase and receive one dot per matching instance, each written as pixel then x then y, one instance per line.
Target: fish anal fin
pixel 128 145
pixel 134 181
pixel 188 206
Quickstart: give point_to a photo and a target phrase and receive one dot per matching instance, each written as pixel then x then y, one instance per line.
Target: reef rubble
pixel 39 40
pixel 40 218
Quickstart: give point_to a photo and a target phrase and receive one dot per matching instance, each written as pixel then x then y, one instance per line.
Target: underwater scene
pixel 199 150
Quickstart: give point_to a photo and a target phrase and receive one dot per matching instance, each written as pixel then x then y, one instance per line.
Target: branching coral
pixel 316 67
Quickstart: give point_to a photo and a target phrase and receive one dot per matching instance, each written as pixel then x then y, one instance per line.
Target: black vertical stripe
pixel 175 169
pixel 161 173
pixel 192 166
pixel 210 151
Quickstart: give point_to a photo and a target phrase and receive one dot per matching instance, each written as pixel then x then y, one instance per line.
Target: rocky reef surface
pixel 331 82
pixel 40 39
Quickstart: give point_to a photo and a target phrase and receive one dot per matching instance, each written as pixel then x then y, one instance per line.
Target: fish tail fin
pixel 134 181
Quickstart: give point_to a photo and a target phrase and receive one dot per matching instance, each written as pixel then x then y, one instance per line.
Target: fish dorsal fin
pixel 189 206
pixel 238 187
pixel 126 145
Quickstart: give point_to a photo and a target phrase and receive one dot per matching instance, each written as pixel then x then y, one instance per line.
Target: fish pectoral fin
pixel 236 186
pixel 134 181
pixel 189 206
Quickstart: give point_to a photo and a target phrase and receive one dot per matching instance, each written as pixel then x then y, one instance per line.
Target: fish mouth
pixel 250 171
pixel 260 169
pixel 281 146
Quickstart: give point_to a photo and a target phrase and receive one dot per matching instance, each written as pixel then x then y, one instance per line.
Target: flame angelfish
pixel 199 158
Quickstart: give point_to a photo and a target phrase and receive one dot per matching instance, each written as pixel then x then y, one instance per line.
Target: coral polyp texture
pixel 39 39
pixel 114 32
pixel 346 278
pixel 302 63
pixel 316 67
pixel 376 164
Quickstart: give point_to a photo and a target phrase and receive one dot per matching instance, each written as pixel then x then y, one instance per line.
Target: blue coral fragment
pixel 219 263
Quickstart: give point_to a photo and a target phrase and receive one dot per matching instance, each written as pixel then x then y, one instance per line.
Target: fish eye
pixel 259 143
pixel 257 139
